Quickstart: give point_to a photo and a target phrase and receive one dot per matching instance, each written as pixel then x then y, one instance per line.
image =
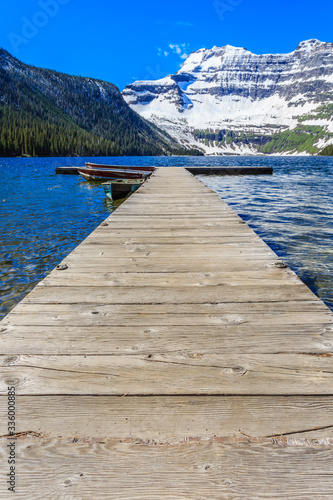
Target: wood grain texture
pixel 179 374
pixel 173 418
pixel 172 359
pixel 205 338
pixel 110 232
pixel 161 295
pixel 270 277
pixel 117 239
pixel 167 265
pixel 220 469
pixel 293 312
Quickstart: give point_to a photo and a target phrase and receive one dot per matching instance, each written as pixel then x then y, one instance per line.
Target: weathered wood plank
pixel 171 222
pixel 113 239
pixel 187 199
pixel 227 216
pixel 242 338
pixel 264 313
pixel 171 235
pixel 165 216
pixel 161 295
pixel 167 265
pixel 245 241
pixel 243 245
pixel 220 252
pixel 170 373
pixel 166 212
pixel 167 236
pixel 109 231
pixel 267 277
pixel 173 418
pixel 196 470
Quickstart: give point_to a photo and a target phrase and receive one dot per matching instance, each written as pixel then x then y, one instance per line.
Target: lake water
pixel 44 216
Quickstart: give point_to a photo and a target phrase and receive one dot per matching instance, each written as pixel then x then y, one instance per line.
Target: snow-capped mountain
pixel 231 100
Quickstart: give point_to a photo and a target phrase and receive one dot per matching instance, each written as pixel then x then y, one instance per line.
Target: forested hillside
pixel 328 151
pixel 45 113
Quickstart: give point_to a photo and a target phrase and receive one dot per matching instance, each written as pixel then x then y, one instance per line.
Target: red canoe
pixel 122 167
pixel 96 174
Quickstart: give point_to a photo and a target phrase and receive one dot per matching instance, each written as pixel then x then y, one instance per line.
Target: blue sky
pixel 127 40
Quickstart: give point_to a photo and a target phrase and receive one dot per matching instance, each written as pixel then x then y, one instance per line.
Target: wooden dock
pixel 170 358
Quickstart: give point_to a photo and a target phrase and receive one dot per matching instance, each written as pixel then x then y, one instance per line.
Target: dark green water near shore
pixel 44 216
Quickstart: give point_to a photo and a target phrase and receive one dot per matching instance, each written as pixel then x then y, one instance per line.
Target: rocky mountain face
pixel 229 100
pixel 43 112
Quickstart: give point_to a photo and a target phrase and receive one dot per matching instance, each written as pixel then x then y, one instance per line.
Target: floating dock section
pixel 171 356
pixel 232 170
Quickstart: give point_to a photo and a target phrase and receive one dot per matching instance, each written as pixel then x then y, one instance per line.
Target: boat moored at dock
pixel 97 174
pixel 120 188
pixel 143 168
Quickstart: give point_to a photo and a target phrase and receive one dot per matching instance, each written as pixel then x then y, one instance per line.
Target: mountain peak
pixel 201 58
pixel 226 48
pixel 310 45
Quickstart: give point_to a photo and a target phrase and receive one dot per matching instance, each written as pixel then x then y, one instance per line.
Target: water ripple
pixel 293 212
pixel 43 217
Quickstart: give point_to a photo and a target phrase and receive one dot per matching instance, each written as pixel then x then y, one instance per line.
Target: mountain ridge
pixel 47 113
pixel 229 100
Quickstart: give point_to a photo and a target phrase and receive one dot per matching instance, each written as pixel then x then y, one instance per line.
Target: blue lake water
pixel 44 216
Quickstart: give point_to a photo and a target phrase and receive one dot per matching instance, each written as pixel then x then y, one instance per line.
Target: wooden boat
pixel 119 188
pixel 122 167
pixel 102 174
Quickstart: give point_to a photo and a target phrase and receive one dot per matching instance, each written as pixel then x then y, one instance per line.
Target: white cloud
pixel 161 52
pixel 179 49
